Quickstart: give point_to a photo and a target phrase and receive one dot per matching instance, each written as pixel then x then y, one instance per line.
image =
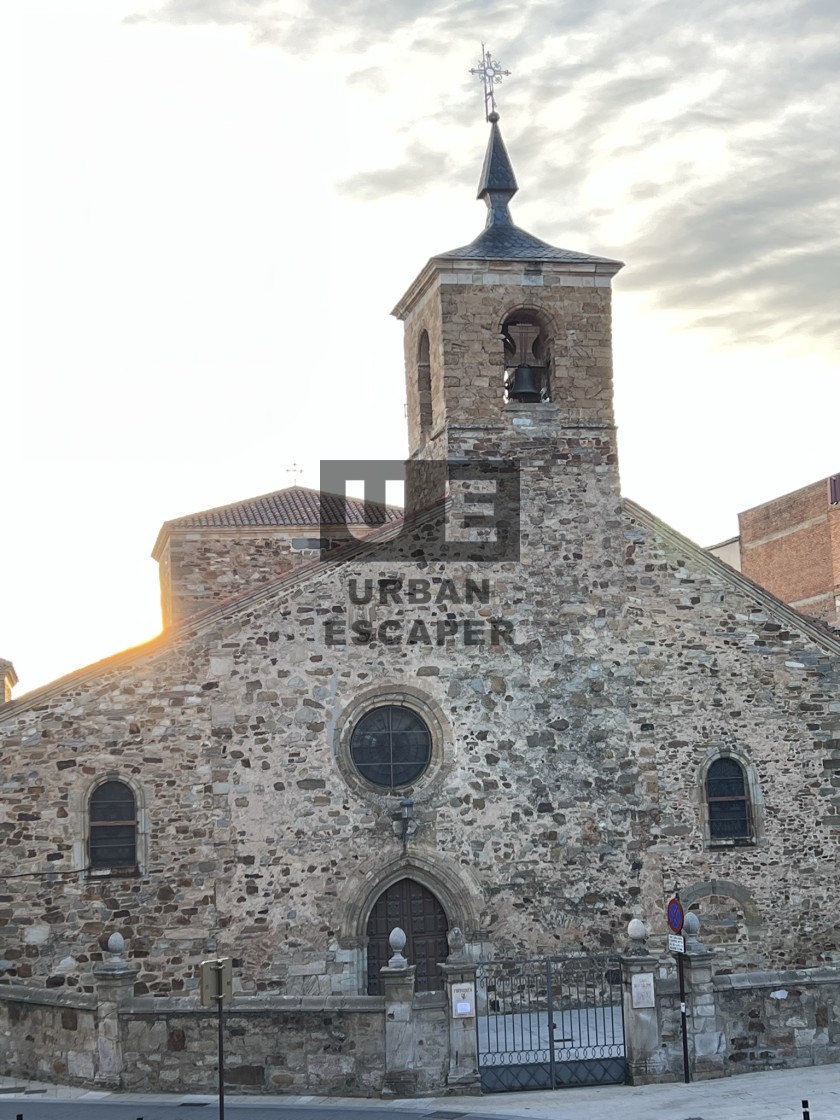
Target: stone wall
pixel 143 727
pixel 565 790
pixel 747 1021
pixel 333 1048
pixel 779 1019
pixel 566 787
pixel 170 1045
pixel 737 1023
pixel 201 568
pixel 463 311
pixel 720 669
pixel 48 1036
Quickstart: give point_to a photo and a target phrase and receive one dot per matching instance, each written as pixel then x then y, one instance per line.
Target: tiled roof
pixel 509 242
pixel 501 239
pixel 297 505
pixel 497 172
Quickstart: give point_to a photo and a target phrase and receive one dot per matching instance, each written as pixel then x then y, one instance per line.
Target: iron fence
pixel 546 1024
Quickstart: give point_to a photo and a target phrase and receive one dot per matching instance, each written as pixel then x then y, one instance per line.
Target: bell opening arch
pixel 528 344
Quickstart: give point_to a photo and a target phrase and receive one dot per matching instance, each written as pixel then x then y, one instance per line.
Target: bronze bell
pixel 523 386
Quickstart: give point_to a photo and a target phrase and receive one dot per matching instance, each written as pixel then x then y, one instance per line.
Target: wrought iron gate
pixel 549 1024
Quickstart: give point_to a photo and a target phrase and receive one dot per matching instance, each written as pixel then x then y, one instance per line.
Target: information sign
pixel 463 1001
pixel 676 944
pixel 676 915
pixel 642 990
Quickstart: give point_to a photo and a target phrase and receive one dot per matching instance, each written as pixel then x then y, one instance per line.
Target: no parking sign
pixel 676 915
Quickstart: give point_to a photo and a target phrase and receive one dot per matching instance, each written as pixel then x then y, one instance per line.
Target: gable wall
pixel 566 798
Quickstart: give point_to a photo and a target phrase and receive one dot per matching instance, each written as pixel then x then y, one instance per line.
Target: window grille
pixel 391 746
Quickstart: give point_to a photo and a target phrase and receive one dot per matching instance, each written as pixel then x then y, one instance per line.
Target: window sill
pixel 114 872
pixel 740 842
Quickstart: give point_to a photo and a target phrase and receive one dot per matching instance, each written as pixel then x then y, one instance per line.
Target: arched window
pixel 728 801
pixel 424 384
pixel 112 839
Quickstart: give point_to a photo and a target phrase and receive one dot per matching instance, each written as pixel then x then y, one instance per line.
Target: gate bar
pixel 550 1000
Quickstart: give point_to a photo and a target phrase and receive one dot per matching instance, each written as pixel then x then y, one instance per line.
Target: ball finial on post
pixel 397 940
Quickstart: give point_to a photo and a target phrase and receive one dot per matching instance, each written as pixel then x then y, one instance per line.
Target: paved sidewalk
pixel 751 1096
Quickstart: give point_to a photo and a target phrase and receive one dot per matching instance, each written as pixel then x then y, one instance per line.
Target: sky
pixel 211 207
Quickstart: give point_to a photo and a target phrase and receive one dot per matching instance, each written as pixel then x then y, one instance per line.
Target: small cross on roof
pixel 490 72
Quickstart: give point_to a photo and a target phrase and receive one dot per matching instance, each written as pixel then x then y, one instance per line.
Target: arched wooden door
pixel 415 910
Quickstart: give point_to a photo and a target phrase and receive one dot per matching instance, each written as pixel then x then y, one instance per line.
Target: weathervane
pixel 294 470
pixel 489 71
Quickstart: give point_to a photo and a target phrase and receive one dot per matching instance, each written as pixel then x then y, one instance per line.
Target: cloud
pixel 705 135
pixel 422 166
pixel 371 78
pixel 254 13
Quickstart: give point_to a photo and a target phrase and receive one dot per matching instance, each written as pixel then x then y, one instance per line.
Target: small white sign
pixel 676 943
pixel 463 1001
pixel 216 981
pixel 641 990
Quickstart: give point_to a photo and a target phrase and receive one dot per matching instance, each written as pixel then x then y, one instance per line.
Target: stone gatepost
pixel 646 1060
pixel 459 982
pixel 707 1044
pixel 114 979
pixel 397 980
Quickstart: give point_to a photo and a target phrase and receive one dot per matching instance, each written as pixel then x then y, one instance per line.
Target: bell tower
pixel 508 357
pixel 506 333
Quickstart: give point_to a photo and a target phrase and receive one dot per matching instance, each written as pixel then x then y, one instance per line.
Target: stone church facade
pixel 506 757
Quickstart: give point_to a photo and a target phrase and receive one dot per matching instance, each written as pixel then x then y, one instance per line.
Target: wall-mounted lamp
pixel 406 815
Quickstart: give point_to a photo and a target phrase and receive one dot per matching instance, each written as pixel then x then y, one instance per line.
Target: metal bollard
pixel 806 1112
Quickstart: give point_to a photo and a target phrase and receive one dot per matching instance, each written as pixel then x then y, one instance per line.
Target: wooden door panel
pixel 412 907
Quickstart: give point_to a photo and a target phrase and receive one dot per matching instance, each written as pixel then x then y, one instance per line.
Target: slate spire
pixel 501 239
pixel 497 185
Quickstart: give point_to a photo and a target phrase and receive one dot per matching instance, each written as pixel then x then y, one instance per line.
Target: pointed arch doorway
pixel 412 907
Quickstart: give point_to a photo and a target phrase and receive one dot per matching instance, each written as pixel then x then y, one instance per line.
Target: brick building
pixel 507 753
pixel 791 545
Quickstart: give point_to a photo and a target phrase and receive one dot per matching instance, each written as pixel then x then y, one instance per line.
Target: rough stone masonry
pixel 564 790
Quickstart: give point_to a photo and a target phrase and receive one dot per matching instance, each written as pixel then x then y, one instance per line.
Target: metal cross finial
pixel 294 470
pixel 490 72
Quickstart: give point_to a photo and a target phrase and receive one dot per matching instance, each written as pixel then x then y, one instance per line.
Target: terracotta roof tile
pixel 296 505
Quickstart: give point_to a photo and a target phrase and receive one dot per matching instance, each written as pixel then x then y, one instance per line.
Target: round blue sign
pixel 676 915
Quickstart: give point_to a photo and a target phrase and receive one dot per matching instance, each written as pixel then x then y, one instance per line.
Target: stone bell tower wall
pixel 463 311
pixel 566 447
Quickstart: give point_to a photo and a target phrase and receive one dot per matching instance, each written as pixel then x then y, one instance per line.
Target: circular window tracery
pixel 391 746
